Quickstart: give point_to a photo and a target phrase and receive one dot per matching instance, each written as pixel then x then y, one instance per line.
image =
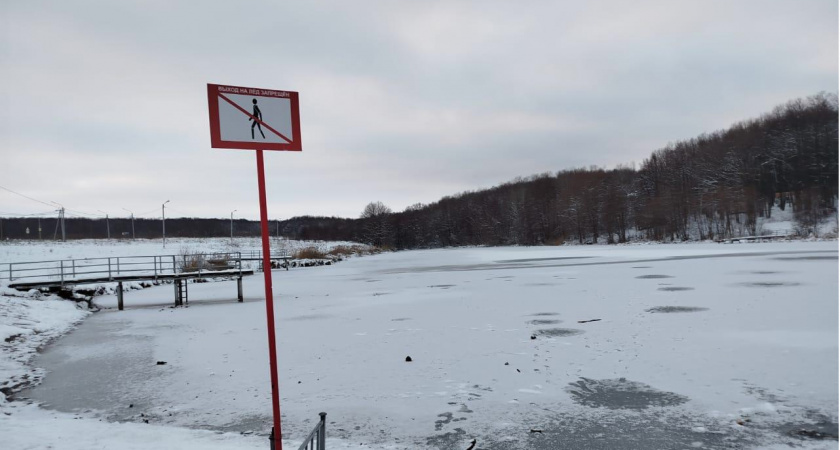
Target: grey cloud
pixel 400 102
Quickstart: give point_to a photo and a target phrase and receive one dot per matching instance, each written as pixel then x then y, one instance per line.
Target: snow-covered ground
pixel 697 346
pixel 33 250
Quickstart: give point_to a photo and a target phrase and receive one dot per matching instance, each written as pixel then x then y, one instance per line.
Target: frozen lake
pixel 696 346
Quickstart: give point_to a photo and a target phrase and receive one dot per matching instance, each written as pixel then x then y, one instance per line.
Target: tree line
pixel 712 186
pixel 121 228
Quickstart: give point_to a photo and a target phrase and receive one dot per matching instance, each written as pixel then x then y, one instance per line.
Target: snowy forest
pixel 714 186
pixel 710 187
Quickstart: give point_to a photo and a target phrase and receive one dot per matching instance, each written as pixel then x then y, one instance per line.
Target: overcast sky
pixel 104 103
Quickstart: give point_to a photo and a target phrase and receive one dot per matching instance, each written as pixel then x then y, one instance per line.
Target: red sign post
pixel 258 119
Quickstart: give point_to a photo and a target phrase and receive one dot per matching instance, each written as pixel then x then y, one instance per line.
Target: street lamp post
pixel 163 220
pixel 231 227
pixel 132 223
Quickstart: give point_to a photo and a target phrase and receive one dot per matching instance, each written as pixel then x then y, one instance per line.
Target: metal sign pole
pixel 276 116
pixel 269 303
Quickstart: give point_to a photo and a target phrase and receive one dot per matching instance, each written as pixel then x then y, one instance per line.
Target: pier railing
pixel 120 267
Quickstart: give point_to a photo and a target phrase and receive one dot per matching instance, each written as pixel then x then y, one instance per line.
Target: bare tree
pixel 377 226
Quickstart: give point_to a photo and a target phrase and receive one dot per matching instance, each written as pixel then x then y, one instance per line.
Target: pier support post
pixel 120 296
pixel 177 285
pixel 239 290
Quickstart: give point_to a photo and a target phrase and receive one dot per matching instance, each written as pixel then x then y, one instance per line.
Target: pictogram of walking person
pixel 258 115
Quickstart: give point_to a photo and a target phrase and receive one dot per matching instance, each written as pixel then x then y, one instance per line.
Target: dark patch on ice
pixel 815 426
pixel 498 266
pixel 821 431
pixel 675 288
pixel 543 322
pixel 641 267
pixel 675 309
pixel 442 286
pixel 449 440
pixel 806 258
pixel 256 423
pixel 528 260
pixel 96 367
pixel 545 314
pixel 464 409
pixel 770 284
pixel 558 332
pixel 762 393
pixel 311 317
pixel 653 277
pixel 764 272
pixel 400 319
pixel 540 284
pixel 447 418
pixel 621 394
pixel 632 430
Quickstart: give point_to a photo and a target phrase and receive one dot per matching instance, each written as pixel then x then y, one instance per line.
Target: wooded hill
pixel 713 186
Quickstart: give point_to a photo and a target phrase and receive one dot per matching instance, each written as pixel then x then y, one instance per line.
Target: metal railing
pixel 109 268
pixel 257 254
pixel 317 439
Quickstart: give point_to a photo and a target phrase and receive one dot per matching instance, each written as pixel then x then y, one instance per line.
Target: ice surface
pixel 763 353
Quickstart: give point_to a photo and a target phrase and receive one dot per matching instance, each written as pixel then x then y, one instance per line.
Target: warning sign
pixel 253 118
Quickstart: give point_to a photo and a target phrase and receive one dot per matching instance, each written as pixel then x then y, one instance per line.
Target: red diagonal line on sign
pixel 267 126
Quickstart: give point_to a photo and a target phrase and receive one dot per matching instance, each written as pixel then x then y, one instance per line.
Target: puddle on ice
pixel 528 260
pixel 442 286
pixel 675 309
pixel 621 394
pixel 653 277
pixel 558 332
pixel 400 319
pixel 675 288
pixel 310 317
pixel 806 258
pixel 540 314
pixel 769 284
pixel 543 322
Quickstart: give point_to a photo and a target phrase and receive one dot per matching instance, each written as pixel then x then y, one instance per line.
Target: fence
pixel 255 255
pixel 317 439
pixel 120 268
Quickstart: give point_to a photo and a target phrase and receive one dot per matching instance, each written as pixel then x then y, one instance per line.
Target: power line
pixel 26 196
pixel 147 212
pixel 52 204
pixel 10 214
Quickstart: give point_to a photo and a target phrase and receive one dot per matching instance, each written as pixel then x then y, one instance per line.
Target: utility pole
pixel 231 227
pixel 107 224
pixel 163 220
pixel 60 222
pixel 132 224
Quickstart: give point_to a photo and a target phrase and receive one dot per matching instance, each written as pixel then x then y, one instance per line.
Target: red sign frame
pixel 216 91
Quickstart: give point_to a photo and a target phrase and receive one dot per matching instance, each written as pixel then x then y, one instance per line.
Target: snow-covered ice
pixel 697 346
